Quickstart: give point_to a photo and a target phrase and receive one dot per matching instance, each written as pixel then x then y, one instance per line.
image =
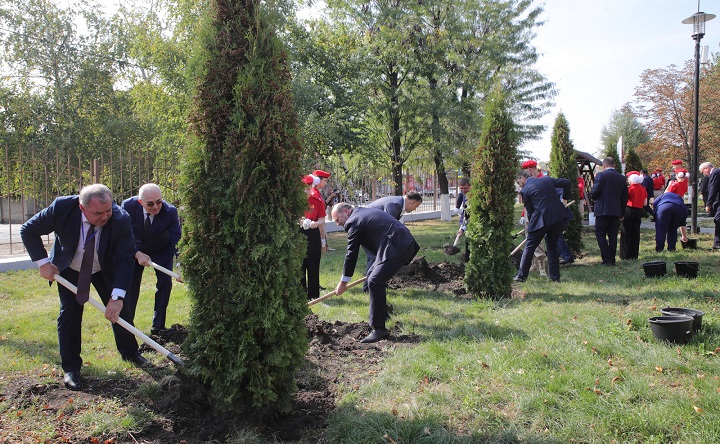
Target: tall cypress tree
pixel 242 250
pixel 563 164
pixel 492 203
pixel 633 162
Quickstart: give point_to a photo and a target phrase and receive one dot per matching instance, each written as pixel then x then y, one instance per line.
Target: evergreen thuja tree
pixel 242 198
pixel 563 164
pixel 632 161
pixel 492 204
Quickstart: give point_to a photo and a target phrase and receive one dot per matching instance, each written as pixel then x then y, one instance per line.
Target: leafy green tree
pixel 632 161
pixel 492 203
pixel 623 123
pixel 563 164
pixel 242 251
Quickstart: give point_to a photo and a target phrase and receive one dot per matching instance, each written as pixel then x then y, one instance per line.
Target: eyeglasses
pixel 153 203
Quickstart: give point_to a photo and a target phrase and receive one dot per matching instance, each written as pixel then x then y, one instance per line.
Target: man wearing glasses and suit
pixel 156 227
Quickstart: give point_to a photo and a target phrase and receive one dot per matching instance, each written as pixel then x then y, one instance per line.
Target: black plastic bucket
pixel 695 314
pixel 655 268
pixel 687 269
pixel 675 329
pixel 691 244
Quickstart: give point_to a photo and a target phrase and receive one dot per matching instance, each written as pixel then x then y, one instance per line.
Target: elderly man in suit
pixel 89 221
pixel 547 218
pixel 156 227
pixel 610 194
pixel 393 245
pixel 713 197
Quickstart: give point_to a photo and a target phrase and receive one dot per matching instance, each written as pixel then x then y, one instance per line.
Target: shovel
pixel 453 249
pixel 166 271
pixel 124 324
pixel 332 293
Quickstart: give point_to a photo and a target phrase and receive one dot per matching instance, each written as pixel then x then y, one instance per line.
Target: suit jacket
pixel 378 232
pixel 669 198
pixel 713 198
pixel 393 205
pixel 647 182
pixel 164 232
pixel 609 193
pixel 542 206
pixel 116 249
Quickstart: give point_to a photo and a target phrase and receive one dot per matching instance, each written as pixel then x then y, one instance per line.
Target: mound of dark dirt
pixel 444 276
pixel 182 412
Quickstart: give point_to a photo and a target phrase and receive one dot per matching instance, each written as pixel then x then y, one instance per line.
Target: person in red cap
pixel 313 226
pixel 630 229
pixel 658 183
pixel 679 185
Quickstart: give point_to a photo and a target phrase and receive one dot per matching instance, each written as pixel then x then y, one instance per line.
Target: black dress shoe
pixel 519 278
pixel 376 335
pixel 73 381
pixel 137 360
pixel 159 330
pixel 565 262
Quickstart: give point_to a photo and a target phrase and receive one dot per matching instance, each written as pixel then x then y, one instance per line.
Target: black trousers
pixel 69 322
pixel 551 233
pixel 163 288
pixel 630 233
pixel 606 233
pixel 311 263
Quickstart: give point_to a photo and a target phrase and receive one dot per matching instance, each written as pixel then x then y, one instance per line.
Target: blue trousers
pixel 551 233
pixel 668 218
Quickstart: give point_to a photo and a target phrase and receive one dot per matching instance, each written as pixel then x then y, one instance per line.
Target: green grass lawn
pixel 568 362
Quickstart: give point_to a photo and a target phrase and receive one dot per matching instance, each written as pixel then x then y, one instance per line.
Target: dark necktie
pixel 146 228
pixel 83 286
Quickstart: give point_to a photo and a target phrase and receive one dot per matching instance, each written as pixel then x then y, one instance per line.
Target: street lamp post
pixel 698 21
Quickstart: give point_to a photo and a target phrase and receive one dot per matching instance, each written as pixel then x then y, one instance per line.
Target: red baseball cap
pixel 529 164
pixel 321 174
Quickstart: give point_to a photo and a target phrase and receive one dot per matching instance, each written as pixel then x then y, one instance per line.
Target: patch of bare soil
pixel 444 276
pixel 336 361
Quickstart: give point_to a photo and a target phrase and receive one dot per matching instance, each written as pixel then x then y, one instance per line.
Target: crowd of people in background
pixel 99 242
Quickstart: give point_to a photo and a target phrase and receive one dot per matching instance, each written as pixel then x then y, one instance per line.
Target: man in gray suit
pixel 393 245
pixel 610 193
pixel 397 205
pixel 394 206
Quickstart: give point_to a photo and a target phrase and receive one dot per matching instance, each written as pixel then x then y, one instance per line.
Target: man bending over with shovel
pixel 393 245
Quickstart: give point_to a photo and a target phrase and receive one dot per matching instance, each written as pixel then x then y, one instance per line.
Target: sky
pixel 596 50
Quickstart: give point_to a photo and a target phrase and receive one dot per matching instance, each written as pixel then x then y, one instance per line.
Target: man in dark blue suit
pixel 649 185
pixel 547 218
pixel 393 245
pixel 156 227
pixel 394 206
pixel 610 193
pixel 73 218
pixel 712 204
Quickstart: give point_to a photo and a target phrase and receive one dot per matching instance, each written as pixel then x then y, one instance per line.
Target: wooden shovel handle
pixel 333 293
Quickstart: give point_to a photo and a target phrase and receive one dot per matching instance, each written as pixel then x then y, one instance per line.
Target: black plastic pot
pixel 687 269
pixel 655 268
pixel 673 329
pixel 695 314
pixel 691 244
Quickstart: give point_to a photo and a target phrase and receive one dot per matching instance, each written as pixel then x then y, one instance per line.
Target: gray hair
pixel 146 188
pixel 95 191
pixel 342 206
pixel 705 165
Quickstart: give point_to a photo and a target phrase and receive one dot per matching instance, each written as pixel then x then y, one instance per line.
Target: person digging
pixel 394 246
